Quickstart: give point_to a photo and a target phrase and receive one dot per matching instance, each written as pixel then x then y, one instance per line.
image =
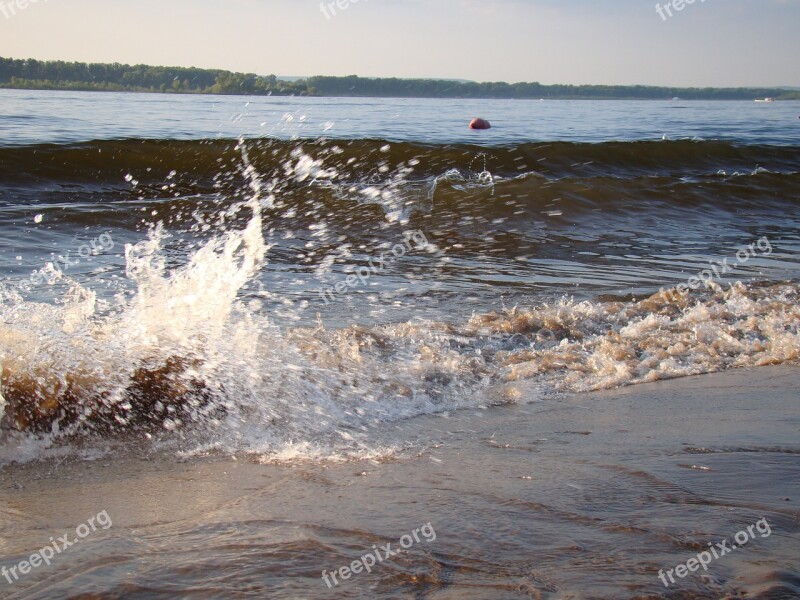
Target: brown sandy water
pixel 586 496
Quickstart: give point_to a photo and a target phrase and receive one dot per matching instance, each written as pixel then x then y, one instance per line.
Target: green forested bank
pixel 55 75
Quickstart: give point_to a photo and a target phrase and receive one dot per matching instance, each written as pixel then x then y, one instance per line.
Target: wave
pixel 246 386
pixel 152 160
pixel 107 181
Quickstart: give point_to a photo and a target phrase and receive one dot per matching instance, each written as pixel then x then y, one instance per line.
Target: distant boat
pixel 765 100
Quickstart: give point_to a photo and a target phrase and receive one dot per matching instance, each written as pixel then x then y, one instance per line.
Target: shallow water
pixel 583 497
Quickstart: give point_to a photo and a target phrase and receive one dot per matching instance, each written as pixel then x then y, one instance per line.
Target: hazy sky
pixel 709 42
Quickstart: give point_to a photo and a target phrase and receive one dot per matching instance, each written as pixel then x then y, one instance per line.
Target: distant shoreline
pixel 388 97
pixel 29 74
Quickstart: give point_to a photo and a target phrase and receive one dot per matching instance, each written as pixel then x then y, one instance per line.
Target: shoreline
pixel 280 95
pixel 583 496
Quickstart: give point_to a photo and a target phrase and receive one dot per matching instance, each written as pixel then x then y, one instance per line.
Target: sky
pixel 718 43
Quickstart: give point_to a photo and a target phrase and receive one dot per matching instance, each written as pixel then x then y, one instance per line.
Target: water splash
pixel 189 361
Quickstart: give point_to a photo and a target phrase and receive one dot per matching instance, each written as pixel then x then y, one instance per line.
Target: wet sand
pixel 584 496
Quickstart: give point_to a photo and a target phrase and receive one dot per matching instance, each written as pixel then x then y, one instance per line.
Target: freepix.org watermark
pixel 706 277
pixel 9 8
pixel 717 551
pixel 329 8
pixel 665 12
pixel 56 547
pixel 62 263
pixel 413 241
pixel 378 555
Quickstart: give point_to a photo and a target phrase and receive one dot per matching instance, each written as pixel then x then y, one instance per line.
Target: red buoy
pixel 480 124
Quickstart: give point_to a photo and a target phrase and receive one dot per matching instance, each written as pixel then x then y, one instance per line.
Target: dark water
pixel 527 220
pixel 283 279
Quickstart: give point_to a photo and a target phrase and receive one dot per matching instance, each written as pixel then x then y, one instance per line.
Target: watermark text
pixel 717 551
pixel 378 555
pixel 56 547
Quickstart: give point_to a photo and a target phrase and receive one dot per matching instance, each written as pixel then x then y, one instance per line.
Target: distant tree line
pixel 54 75
pixel 59 75
pixel 434 88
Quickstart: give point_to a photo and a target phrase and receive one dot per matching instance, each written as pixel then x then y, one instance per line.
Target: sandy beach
pixel 587 496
